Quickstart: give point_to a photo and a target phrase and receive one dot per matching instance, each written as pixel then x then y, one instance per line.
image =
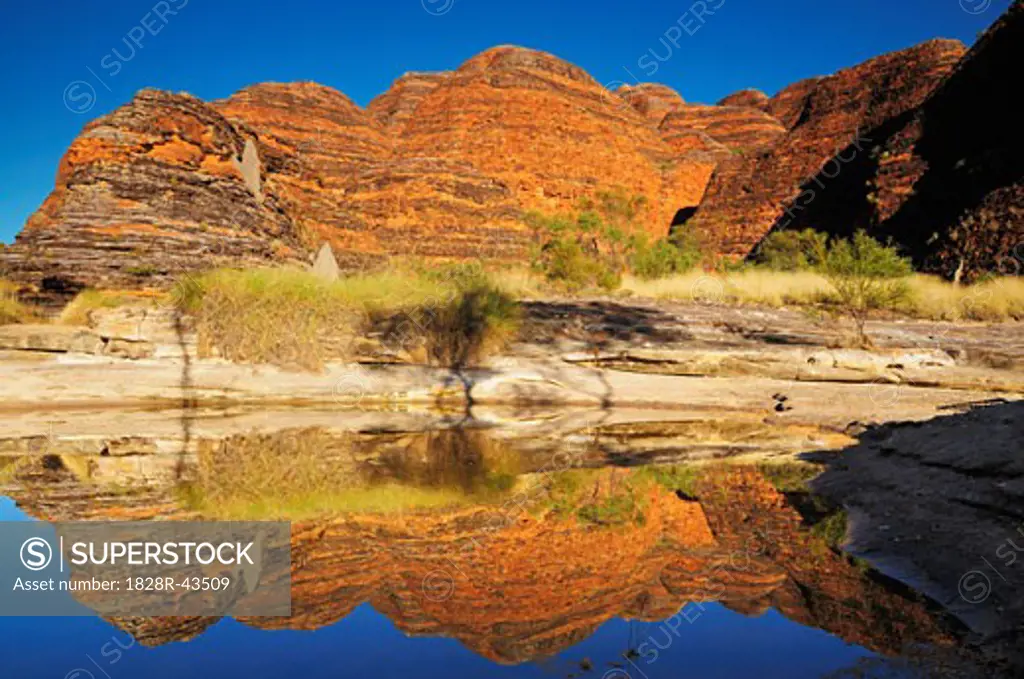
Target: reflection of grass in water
pixel 9 468
pixel 832 529
pixel 381 499
pixel 302 474
pixel 790 477
pixel 597 496
pixel 673 477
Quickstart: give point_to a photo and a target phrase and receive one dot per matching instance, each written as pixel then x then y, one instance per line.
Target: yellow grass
pixel 930 297
pixel 79 310
pixel 994 300
pixel 290 317
pixel 303 474
pixel 11 310
pixel 391 498
pixel 772 288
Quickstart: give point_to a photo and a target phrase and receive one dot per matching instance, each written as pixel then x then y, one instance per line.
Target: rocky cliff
pixel 653 100
pixel 395 107
pixel 444 165
pixel 750 98
pixel 944 180
pixel 162 185
pixel 828 119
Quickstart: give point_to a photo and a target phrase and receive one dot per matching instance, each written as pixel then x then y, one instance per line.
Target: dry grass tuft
pixel 290 317
pixel 79 310
pixel 928 297
pixel 12 310
pixel 999 299
pixel 753 286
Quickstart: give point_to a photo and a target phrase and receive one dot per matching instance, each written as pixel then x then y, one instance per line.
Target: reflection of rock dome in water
pixel 595 545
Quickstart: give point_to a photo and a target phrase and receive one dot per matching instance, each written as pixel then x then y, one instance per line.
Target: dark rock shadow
pixel 597 322
pixel 940 505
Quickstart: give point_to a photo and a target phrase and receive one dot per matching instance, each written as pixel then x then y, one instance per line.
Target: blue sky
pixel 57 52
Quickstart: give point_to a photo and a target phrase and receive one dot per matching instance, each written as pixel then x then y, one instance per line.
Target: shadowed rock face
pixel 748 195
pixel 945 180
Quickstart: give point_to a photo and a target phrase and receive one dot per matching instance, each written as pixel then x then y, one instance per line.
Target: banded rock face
pixel 315 141
pixel 789 104
pixel 148 191
pixel 945 181
pixel 749 98
pixel 749 195
pixel 652 100
pixel 739 129
pixel 548 131
pixel 394 107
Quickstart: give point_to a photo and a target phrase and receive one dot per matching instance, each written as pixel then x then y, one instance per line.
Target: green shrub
pixel 664 257
pixel 477 321
pixel 594 248
pixel 577 252
pixel 791 250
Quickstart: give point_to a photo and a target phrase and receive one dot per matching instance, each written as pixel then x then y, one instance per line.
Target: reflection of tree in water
pixel 455 458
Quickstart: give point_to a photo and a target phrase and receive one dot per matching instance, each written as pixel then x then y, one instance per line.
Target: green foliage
pixel 664 257
pixel 594 247
pixel 593 496
pixel 866 275
pixel 577 252
pixel 863 273
pixel 672 477
pixel 792 250
pixel 832 529
pixel 790 477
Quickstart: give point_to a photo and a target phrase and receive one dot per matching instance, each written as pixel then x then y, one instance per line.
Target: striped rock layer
pixel 445 165
pixel 828 118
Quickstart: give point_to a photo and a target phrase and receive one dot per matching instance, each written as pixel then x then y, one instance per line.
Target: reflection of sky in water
pixel 718 643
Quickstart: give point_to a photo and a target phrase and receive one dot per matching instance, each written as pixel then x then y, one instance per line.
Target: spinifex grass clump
pixel 290 317
pixel 79 310
pixel 12 310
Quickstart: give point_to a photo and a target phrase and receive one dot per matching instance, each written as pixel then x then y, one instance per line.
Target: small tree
pixel 865 275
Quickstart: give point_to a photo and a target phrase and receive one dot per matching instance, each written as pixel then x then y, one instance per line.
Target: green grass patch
pixel 673 477
pixel 596 496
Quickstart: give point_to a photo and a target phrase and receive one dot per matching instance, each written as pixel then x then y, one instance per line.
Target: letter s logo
pixel 36 554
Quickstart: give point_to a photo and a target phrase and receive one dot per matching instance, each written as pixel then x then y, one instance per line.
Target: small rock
pixel 325 267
